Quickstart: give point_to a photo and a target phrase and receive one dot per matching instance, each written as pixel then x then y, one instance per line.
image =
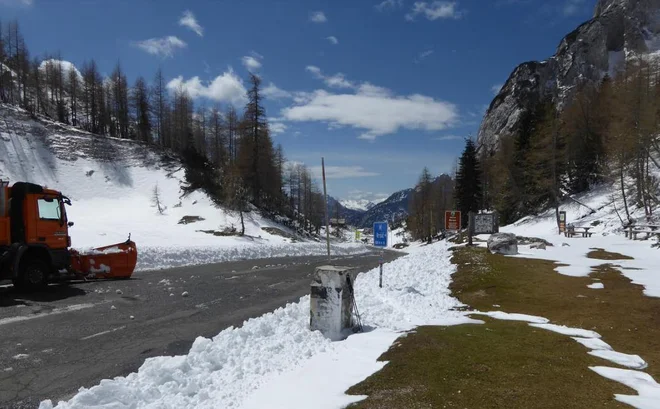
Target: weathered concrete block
pixel 331 301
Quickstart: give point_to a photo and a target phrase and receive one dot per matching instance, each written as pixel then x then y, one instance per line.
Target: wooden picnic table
pixel 571 231
pixel 649 229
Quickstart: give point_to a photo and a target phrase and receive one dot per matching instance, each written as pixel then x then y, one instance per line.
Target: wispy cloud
pixel 253 61
pixel 435 10
pixel 573 7
pixel 375 110
pixel 188 20
pixel 495 89
pixel 333 81
pixel 333 40
pixel 17 3
pixel 448 138
pixel 277 127
pixel 422 56
pixel 317 17
pixel 271 91
pixel 227 87
pixel 389 5
pixel 165 46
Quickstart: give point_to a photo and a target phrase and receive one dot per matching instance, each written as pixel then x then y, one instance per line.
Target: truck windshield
pixel 49 209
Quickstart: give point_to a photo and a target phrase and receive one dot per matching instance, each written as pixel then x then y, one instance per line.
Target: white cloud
pixel 375 110
pixel 271 91
pixel 435 10
pixel 449 138
pixel 422 56
pixel 277 127
pixel 389 5
pixel 333 81
pixel 227 87
pixel 495 89
pixel 317 17
pixel 251 63
pixel 333 40
pixel 343 172
pixel 188 20
pixel 165 46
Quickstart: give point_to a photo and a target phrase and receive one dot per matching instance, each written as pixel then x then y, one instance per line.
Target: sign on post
pixel 380 234
pixel 357 235
pixel 452 220
pixel 562 222
pixel 485 223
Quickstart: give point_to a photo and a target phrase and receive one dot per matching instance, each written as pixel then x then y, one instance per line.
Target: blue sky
pixel 380 88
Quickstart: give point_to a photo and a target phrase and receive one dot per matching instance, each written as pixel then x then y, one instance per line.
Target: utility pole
pixel 325 198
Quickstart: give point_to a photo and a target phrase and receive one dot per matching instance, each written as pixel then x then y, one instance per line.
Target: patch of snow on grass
pixel 564 330
pixel 596 286
pixel 630 361
pixel 507 316
pixel 647 388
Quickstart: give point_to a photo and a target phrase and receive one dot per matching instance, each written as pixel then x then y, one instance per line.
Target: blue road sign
pixel 380 234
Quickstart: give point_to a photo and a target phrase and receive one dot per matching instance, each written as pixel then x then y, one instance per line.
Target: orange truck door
pixel 49 225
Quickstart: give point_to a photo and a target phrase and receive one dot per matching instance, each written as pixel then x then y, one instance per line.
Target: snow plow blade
pixel 116 261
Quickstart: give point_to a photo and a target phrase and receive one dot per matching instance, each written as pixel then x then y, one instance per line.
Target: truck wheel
pixel 34 274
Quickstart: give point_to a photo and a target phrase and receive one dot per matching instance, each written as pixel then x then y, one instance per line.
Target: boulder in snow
pixel 503 243
pixel 184 294
pixel 538 246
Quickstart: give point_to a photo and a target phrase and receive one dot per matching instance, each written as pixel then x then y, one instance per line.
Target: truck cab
pixel 34 236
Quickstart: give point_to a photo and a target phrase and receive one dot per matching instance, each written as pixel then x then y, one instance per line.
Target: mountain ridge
pixel 619 30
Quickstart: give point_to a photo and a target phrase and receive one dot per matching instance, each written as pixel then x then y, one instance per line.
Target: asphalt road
pixel 69 336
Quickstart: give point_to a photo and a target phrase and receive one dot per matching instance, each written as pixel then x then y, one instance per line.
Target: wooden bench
pixel 648 233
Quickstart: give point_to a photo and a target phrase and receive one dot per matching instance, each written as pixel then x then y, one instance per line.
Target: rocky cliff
pixel 619 30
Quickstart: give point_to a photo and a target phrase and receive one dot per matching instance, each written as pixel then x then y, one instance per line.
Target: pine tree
pixel 468 192
pixel 141 110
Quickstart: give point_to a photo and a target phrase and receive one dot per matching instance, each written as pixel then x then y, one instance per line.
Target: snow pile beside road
pixel 151 258
pixel 275 361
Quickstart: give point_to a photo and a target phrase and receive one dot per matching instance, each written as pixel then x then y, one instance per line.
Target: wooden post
pixel 325 198
pixel 470 227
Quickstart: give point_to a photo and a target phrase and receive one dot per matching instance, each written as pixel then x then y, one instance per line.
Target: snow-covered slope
pixel 111 184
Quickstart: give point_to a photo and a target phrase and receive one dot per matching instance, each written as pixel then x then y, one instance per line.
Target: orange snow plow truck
pixel 35 242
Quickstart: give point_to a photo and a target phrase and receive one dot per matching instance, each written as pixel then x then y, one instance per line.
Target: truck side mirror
pixel 70 224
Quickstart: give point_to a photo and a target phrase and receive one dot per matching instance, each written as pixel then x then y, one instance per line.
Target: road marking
pixel 102 333
pixel 56 311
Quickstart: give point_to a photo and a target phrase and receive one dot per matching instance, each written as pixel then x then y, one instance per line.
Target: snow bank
pixel 275 361
pixel 151 258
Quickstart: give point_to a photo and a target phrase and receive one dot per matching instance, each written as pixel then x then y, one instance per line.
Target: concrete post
pixel 331 301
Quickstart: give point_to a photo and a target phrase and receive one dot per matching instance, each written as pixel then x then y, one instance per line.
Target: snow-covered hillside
pixel 111 184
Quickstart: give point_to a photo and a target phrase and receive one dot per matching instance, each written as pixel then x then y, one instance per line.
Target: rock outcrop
pixel 503 243
pixel 619 30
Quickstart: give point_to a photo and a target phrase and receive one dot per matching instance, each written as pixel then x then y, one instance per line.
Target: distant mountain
pixel 352 216
pixel 394 208
pixel 357 204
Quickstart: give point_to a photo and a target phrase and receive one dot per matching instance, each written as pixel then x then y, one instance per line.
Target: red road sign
pixel 452 220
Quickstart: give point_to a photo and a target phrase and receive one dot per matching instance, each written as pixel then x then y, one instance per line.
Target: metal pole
pixel 380 280
pixel 327 220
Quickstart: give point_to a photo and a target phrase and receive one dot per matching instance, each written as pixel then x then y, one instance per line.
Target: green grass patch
pixel 501 364
pixel 601 254
pixel 505 364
